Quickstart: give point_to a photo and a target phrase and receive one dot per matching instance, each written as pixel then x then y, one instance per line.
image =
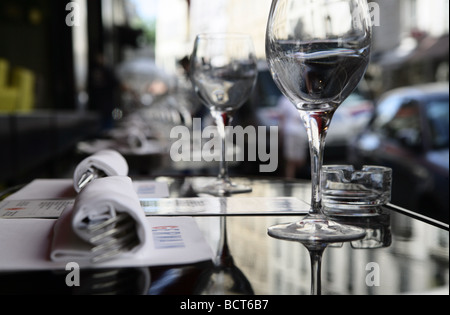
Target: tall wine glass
pixel 223 72
pixel 318 51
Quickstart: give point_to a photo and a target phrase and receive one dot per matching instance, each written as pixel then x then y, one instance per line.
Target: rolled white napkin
pixel 101 200
pixel 111 162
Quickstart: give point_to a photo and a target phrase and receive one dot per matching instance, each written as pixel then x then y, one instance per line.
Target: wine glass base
pixel 222 187
pixel 314 230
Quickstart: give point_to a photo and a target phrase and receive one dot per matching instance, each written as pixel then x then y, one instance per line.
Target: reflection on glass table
pixel 416 261
pixel 401 254
pixel 225 277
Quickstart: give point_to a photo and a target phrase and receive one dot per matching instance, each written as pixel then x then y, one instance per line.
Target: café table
pixel 403 254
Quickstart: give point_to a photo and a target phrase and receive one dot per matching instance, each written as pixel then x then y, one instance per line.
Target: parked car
pixel 409 132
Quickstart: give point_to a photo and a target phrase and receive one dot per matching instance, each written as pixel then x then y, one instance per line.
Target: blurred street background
pixel 80 76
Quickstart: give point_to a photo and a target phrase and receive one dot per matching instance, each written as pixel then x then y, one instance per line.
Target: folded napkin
pixel 101 200
pixel 110 162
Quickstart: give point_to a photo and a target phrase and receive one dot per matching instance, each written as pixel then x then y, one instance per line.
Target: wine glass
pixel 223 72
pixel 318 51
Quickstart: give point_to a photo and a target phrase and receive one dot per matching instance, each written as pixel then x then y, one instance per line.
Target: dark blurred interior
pixel 38 134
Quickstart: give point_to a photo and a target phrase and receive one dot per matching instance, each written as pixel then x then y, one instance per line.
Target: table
pixel 403 254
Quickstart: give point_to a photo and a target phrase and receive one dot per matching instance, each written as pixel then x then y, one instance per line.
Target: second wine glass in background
pixel 223 71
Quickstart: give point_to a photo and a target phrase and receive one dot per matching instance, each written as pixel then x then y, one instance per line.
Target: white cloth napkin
pixel 101 200
pixel 111 162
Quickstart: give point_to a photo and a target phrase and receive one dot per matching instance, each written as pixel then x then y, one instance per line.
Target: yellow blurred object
pixel 8 99
pixel 23 80
pixel 19 96
pixel 4 68
pixel 8 95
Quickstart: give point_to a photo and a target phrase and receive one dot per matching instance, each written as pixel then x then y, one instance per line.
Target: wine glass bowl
pixel 318 50
pixel 223 72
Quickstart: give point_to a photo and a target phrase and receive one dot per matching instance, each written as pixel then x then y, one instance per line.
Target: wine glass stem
pixel 316 270
pixel 223 120
pixel 223 258
pixel 317 124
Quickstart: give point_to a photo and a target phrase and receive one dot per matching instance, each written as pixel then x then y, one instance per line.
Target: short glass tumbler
pixel 350 192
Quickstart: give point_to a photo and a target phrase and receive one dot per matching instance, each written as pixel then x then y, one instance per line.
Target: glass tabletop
pixel 402 254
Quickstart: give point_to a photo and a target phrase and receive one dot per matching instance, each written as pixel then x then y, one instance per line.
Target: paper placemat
pixel 25 245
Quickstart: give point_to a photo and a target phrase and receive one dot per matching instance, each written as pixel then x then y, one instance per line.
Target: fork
pixel 88 176
pixel 112 237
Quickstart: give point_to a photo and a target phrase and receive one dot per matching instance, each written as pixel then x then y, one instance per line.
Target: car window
pixel 437 114
pixel 403 123
pixel 386 111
